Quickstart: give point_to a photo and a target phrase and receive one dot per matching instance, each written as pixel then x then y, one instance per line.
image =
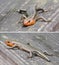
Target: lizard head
pixel 29 22
pixel 9 43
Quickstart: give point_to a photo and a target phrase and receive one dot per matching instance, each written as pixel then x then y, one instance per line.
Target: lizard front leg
pixel 23 17
pixel 30 55
pixel 15 46
pixel 42 18
pixel 11 47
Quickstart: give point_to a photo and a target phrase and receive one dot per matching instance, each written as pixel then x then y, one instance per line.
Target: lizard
pixel 28 48
pixel 29 21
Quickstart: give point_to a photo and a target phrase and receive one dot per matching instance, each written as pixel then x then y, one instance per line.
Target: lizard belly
pixel 29 23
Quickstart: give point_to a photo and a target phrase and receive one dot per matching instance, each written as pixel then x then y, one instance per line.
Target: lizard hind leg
pixel 48 54
pixel 35 53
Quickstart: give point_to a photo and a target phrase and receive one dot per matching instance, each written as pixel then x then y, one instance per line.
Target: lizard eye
pixel 8 41
pixel 29 21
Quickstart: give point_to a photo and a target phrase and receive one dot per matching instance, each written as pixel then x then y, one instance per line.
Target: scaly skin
pixel 28 48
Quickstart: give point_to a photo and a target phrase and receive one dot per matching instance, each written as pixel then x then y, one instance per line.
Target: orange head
pixel 9 43
pixel 28 22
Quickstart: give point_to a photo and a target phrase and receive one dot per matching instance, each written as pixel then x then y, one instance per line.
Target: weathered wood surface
pixel 48 43
pixel 9 16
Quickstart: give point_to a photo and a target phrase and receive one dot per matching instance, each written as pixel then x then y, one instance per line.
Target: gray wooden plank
pixel 8 23
pixel 48 43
